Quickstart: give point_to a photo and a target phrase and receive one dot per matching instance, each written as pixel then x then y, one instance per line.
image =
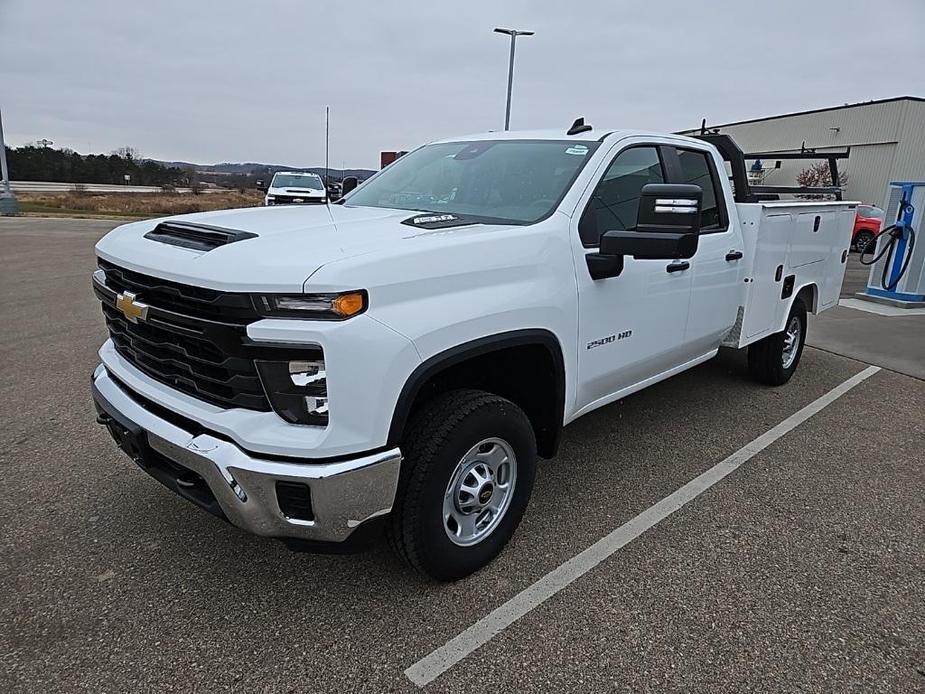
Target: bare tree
pixel 819 175
pixel 130 153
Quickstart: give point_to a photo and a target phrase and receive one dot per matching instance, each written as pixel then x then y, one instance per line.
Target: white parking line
pixel 439 661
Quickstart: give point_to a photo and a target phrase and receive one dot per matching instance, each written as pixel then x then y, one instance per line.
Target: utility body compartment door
pixel 763 304
pixel 791 245
pixel 812 238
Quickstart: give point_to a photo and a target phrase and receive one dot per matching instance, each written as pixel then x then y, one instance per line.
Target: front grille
pixel 182 343
pixel 290 199
pixel 197 302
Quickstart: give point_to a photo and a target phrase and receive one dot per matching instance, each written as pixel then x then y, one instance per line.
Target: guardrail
pixel 53 187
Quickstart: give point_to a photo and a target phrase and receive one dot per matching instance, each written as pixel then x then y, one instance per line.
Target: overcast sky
pixel 248 80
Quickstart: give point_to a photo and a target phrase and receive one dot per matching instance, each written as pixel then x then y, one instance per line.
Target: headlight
pixel 313 306
pixel 297 390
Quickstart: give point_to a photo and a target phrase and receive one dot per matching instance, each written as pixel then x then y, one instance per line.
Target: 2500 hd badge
pixel 610 338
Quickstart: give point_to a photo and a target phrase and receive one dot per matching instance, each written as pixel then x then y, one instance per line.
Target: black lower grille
pixel 189 364
pixel 296 200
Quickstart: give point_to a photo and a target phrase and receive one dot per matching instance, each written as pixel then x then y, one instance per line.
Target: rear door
pixel 717 269
pixel 631 327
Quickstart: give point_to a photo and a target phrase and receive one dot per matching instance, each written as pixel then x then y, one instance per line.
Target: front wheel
pixel 467 475
pixel 773 360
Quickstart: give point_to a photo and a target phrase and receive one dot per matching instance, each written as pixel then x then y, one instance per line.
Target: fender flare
pixel 475 348
pixel 812 305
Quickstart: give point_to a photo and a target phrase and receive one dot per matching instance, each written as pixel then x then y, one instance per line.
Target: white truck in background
pixel 400 359
pixel 295 188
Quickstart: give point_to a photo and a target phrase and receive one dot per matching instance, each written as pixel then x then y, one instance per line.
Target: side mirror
pixel 667 225
pixel 348 184
pixel 261 185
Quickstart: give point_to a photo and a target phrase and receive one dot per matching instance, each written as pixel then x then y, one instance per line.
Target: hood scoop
pixel 197 237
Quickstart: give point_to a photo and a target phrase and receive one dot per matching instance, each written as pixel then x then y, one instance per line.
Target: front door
pixel 630 327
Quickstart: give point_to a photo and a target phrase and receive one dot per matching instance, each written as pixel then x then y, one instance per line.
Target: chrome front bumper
pixel 344 494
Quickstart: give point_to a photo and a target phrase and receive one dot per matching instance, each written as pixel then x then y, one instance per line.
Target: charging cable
pixel 895 232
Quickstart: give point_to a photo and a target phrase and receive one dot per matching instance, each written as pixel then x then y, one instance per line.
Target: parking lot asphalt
pixel 855 329
pixel 801 571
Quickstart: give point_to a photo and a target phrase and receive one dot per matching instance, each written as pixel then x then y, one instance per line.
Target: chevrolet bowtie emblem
pixel 131 309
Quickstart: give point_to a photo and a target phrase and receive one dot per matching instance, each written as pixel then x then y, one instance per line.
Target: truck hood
pixel 289 243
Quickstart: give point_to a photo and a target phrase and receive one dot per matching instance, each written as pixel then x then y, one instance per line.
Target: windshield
pixel 296 181
pixel 519 181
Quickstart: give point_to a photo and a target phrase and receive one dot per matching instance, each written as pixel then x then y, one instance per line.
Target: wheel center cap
pixel 485 493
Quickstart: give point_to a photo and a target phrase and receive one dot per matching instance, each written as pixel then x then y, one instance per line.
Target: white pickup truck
pixel 295 188
pixel 400 359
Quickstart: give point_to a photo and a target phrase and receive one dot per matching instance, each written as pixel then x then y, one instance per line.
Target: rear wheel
pixel 467 475
pixel 773 360
pixel 863 240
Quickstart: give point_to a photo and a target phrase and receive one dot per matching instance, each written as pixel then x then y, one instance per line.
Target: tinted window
pixel 696 170
pixel 615 201
pixel 518 181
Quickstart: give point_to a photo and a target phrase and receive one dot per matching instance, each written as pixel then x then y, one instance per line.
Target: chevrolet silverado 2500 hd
pixel 399 360
pixel 295 188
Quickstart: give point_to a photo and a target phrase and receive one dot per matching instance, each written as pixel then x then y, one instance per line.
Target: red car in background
pixel 867 225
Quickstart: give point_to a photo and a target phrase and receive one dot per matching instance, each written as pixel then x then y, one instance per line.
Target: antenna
pixel 703 127
pixel 327 146
pixel 578 127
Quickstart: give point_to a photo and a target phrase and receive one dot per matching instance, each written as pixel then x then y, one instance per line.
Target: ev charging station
pixel 897 268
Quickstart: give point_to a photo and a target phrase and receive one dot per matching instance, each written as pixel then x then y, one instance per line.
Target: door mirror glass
pixel 667 227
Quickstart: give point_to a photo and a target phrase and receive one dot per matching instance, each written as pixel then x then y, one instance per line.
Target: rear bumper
pixel 325 501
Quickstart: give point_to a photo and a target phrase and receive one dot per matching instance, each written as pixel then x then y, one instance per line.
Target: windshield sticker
pixel 580 150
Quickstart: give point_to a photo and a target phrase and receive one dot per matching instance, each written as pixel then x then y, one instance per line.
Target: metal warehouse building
pixel 886 140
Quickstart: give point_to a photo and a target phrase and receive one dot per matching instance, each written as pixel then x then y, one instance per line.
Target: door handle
pixel 733 255
pixel 678 266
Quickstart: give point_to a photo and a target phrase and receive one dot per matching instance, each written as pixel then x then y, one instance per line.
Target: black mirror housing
pixel 348 184
pixel 644 245
pixel 667 226
pixel 669 207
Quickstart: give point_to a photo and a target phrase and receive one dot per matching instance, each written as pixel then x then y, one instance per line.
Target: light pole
pixel 513 33
pixel 7 198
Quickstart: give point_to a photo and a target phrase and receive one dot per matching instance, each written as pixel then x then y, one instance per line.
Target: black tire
pixel 437 439
pixel 766 362
pixel 862 239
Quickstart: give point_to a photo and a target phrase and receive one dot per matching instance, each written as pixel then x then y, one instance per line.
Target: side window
pixel 696 169
pixel 615 201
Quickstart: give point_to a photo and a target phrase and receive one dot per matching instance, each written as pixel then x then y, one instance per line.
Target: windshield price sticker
pixel 580 150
